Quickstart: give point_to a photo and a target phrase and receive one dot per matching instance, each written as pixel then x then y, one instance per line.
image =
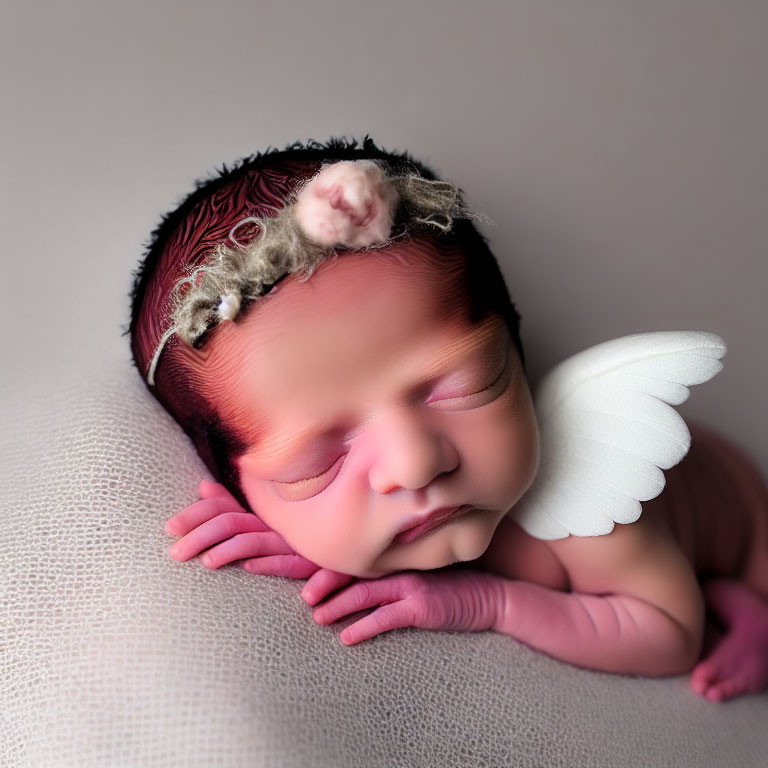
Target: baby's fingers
pixel 200 512
pixel 322 583
pixel 361 595
pixel 209 490
pixel 393 616
pixel 245 545
pixel 289 566
pixel 216 530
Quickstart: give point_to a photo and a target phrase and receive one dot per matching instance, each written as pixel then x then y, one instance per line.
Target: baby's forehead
pixel 386 298
pixel 406 272
pixel 359 329
pixel 316 382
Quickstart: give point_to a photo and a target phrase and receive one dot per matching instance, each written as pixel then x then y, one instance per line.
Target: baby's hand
pixel 446 599
pixel 232 533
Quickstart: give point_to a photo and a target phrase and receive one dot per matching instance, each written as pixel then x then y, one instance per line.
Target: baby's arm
pixel 635 606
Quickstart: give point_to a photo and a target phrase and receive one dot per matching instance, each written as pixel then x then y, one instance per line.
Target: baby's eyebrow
pixel 293 446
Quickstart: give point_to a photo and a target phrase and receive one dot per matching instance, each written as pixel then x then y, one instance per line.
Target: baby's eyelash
pixel 314 477
pixel 493 383
pixel 484 389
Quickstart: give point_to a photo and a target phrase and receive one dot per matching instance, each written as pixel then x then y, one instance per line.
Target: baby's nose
pixel 408 452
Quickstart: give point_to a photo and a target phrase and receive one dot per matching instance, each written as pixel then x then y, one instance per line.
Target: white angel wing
pixel 608 428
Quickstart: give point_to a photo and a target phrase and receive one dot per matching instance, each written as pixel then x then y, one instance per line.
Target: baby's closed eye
pixel 494 388
pixel 306 487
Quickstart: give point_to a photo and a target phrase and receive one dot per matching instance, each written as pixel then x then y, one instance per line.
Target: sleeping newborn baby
pixel 334 335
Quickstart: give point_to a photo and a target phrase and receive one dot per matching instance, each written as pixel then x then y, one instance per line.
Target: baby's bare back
pixel 715 505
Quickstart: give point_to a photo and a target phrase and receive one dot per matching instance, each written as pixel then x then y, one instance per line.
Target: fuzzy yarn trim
pixel 233 275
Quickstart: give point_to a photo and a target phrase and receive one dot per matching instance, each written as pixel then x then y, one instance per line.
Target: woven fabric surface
pixel 113 654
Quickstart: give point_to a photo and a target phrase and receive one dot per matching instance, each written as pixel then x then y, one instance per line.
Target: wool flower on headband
pixel 350 204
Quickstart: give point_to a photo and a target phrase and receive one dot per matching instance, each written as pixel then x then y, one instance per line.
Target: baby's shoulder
pixel 642 551
pixel 514 554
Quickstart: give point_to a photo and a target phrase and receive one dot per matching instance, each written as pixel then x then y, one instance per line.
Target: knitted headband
pixel 350 204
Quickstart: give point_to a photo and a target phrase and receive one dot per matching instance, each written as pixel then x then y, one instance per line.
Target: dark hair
pixel 186 235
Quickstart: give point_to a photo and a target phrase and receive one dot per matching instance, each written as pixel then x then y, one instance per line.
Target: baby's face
pixel 370 401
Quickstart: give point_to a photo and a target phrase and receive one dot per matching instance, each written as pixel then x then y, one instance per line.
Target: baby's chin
pixel 463 540
pixel 379 573
pixel 391 562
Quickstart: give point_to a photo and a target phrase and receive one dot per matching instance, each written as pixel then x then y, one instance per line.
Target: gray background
pixel 619 146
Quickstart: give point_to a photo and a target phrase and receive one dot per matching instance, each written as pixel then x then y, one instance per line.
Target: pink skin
pixel 411 415
pixel 387 402
pixel 737 662
pixel 219 522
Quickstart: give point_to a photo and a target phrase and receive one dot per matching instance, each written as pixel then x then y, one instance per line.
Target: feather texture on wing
pixel 608 429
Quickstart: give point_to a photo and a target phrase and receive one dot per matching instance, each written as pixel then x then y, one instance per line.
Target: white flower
pixel 229 306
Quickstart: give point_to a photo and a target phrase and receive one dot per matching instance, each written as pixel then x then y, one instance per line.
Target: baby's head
pixel 343 407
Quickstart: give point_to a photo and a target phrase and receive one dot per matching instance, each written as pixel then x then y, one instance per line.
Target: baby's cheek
pixel 323 529
pixel 501 454
pixel 274 513
pixel 519 438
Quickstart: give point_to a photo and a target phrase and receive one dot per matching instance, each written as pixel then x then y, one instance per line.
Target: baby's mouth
pixel 428 526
